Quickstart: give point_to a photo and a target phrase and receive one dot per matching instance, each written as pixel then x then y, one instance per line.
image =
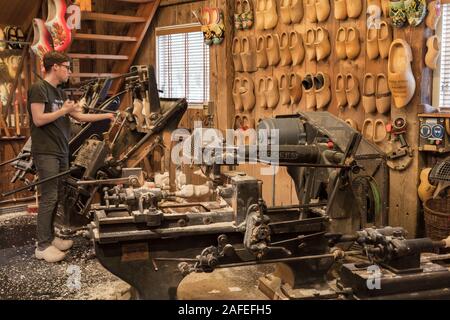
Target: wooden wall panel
pixel 404 203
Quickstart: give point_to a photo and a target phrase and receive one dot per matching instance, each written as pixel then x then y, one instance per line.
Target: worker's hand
pixel 110 116
pixel 70 106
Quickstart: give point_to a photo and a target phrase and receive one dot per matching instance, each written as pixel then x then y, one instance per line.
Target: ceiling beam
pixel 165 3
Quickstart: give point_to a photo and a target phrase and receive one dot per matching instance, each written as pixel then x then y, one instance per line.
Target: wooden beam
pixel 93 75
pixel 165 3
pixel 103 37
pixel 97 56
pixel 86 15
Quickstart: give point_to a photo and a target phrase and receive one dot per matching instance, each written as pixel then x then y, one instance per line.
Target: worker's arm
pixel 40 118
pixel 85 117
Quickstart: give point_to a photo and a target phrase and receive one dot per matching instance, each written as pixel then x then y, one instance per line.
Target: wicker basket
pixel 437 218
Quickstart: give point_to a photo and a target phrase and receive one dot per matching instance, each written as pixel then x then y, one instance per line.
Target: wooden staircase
pixel 126 45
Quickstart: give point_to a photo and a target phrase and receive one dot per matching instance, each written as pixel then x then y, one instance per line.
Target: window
pixel 183 63
pixel 441 76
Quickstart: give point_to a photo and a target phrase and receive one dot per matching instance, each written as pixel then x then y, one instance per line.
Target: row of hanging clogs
pixel 317 43
pixel 53 34
pixel 269 91
pixel 267 50
pixel 376 94
pixel 293 11
pixel 288 90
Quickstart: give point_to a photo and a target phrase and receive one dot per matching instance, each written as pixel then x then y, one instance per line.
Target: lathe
pixel 151 238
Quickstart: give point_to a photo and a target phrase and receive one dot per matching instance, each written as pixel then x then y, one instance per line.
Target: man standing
pixel 49 110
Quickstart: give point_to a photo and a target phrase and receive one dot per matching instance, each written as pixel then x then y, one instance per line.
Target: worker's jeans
pixel 51 191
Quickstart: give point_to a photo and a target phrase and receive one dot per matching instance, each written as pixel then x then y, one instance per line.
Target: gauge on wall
pixel 425 131
pixel 437 131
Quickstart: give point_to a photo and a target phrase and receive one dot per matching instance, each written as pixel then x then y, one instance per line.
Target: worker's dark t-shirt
pixel 52 138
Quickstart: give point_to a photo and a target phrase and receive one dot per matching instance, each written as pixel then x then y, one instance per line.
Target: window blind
pixel 444 87
pixel 183 65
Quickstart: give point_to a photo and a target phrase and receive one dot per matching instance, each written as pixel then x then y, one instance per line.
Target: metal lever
pixel 25 155
pixel 133 180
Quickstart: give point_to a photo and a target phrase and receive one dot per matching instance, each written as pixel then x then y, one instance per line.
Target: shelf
pixel 97 56
pixel 434 115
pixel 103 37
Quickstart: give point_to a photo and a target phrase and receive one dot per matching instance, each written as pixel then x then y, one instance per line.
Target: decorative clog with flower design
pixel 397 13
pixel 237 16
pixel 213 27
pixel 57 25
pixel 41 38
pixel 416 11
pixel 247 15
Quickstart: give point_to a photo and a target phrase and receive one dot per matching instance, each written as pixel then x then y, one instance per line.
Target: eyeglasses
pixel 66 66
